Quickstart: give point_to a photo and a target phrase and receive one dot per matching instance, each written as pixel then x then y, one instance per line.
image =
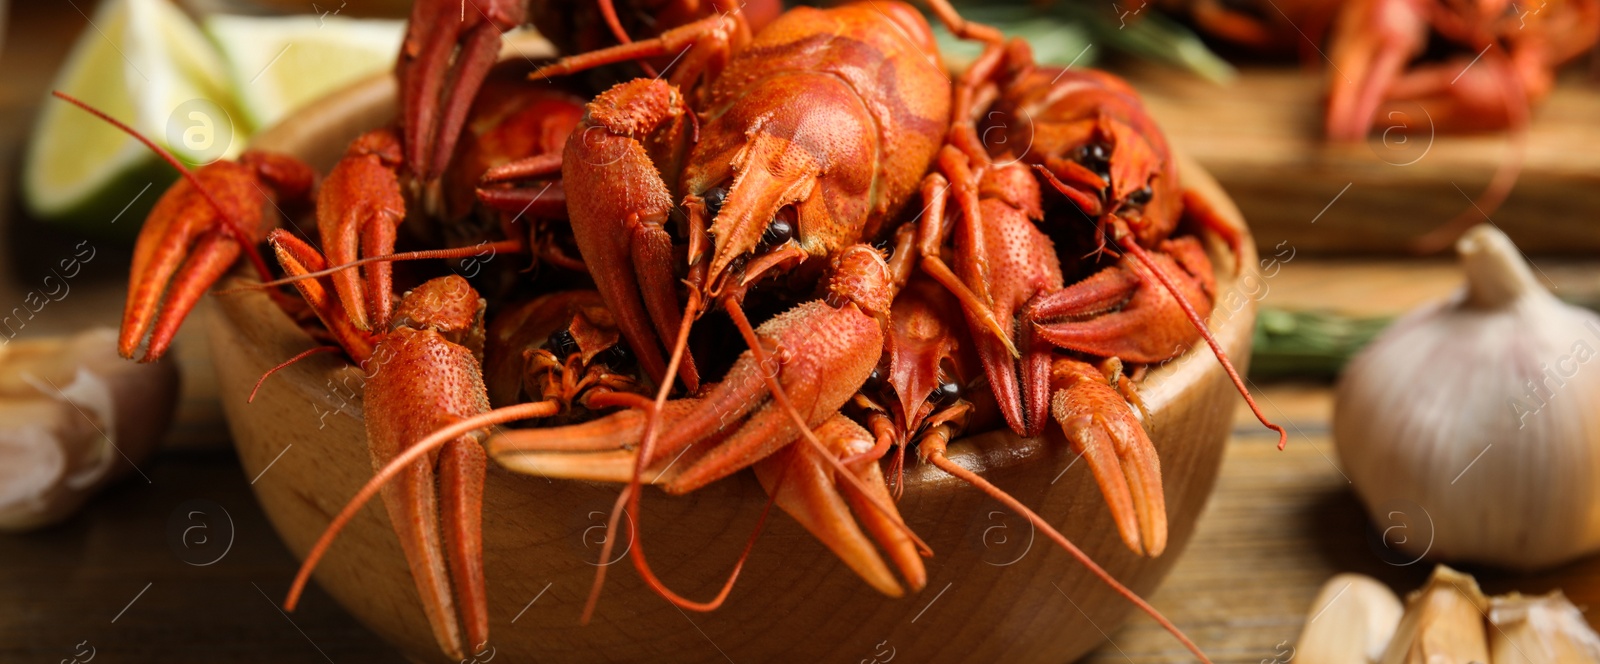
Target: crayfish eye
pixel 945 394
pixel 714 200
pixel 875 380
pixel 780 230
pixel 561 344
pixel 1096 157
pixel 617 358
pixel 1142 196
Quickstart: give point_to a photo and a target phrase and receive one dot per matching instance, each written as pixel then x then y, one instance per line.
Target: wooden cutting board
pixel 1261 137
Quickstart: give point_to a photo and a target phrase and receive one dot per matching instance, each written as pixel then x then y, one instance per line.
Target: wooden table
pixel 1279 524
pixel 111 579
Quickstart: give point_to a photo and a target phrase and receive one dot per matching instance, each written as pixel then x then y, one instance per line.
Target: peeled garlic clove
pixel 1477 420
pixel 1350 622
pixel 1540 630
pixel 74 417
pixel 1443 623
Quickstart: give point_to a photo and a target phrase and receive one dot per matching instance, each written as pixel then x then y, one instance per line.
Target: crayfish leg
pixel 960 27
pixel 933 230
pixel 715 33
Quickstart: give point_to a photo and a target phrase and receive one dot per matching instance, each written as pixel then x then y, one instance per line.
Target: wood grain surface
pixel 1260 136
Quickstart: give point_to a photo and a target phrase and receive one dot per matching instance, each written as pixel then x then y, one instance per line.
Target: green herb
pixel 1077 34
pixel 1308 344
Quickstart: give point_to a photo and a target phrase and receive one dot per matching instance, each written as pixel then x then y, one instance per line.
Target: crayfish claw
pixel 359 210
pixel 454 42
pixel 803 485
pixel 436 502
pixel 619 204
pixel 191 238
pixel 211 257
pixel 1124 311
pixel 462 466
pixel 1100 425
pixel 1373 40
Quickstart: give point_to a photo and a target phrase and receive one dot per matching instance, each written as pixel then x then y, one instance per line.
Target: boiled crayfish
pixel 1386 54
pixel 1087 136
pixel 751 180
pixel 1466 66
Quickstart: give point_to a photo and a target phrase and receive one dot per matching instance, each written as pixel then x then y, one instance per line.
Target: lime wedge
pixel 277 65
pixel 145 63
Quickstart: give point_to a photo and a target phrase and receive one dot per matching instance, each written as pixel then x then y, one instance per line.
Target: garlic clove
pixel 1443 623
pixel 74 417
pixel 1473 421
pixel 1540 630
pixel 31 460
pixel 1351 621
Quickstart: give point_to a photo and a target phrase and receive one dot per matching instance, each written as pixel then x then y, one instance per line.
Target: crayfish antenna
pixel 629 499
pixel 643 567
pixel 1138 252
pixel 629 496
pixel 238 233
pixel 510 246
pixel 935 454
pixel 608 10
pixel 285 365
pixel 399 464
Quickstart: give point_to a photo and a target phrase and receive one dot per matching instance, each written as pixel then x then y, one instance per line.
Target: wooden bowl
pixel 997 591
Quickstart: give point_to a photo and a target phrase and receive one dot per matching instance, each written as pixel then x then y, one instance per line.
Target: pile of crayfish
pixel 1385 55
pixel 786 246
pixel 1466 65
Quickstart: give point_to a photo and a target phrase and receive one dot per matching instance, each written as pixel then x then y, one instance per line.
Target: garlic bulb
pixel 1476 421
